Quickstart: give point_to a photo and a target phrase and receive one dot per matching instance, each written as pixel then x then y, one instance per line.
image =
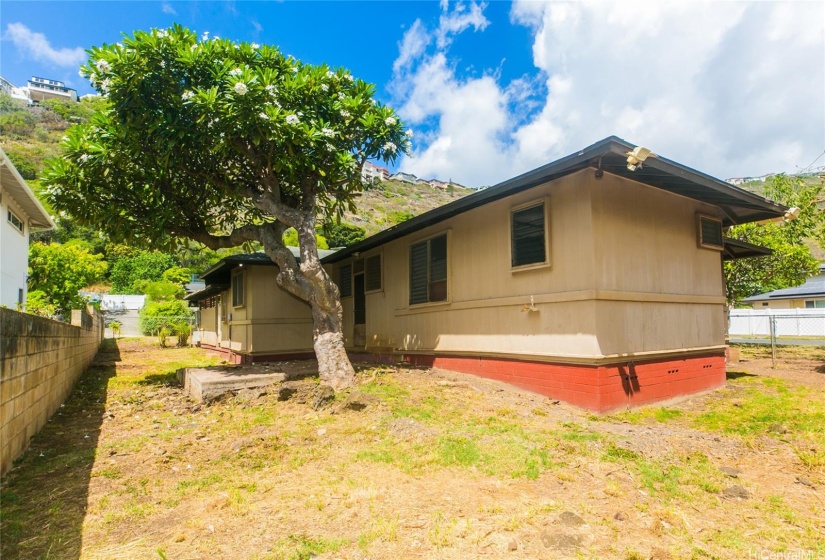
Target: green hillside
pixel 30 135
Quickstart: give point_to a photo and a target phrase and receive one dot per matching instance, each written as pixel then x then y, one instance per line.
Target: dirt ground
pixel 417 464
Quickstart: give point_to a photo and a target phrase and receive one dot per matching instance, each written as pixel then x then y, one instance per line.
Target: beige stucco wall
pixel 626 277
pixel 784 303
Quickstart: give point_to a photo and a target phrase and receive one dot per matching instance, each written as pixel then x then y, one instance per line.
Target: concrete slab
pixel 205 384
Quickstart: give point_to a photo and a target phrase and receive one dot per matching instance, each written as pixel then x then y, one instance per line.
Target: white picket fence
pixel 788 322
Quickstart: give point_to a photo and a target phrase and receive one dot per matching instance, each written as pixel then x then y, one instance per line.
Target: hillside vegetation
pixel 32 134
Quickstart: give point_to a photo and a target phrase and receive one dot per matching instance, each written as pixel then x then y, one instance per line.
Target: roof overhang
pixel 207 292
pixel 735 249
pixel 610 155
pixel 22 194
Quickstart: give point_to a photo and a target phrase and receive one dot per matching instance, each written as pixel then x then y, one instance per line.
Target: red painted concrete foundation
pixel 601 388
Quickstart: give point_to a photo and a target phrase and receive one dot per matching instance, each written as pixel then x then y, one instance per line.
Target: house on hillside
pixel 370 172
pixel 245 315
pixel 20 214
pixel 810 295
pixel 593 279
pixel 41 89
pixel 405 178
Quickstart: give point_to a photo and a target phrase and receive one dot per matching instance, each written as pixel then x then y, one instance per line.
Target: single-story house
pixel 595 279
pixel 20 214
pixel 810 295
pixel 244 314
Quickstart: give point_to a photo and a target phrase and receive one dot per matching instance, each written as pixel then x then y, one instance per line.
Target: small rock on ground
pixel 620 516
pixel 561 541
pixel 570 519
pixel 660 554
pixel 736 491
pixel 731 471
pixel 357 402
pixel 324 395
pixel 778 429
pixel 512 546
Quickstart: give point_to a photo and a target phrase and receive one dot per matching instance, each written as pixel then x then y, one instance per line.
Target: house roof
pixel 813 287
pixel 208 291
pixel 220 272
pixel 738 205
pixel 22 194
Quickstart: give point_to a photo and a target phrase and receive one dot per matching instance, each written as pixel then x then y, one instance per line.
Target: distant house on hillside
pixel 588 280
pixel 41 89
pixel 370 171
pixel 20 214
pixel 810 295
pixel 405 178
pixel 13 91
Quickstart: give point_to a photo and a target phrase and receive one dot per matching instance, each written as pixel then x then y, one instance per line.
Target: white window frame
pixel 20 228
pixel 548 261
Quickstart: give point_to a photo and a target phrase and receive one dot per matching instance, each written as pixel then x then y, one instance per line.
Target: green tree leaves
pixel 57 272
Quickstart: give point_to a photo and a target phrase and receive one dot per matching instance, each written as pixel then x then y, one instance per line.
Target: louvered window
pixel 238 288
pixel 345 280
pixel 710 232
pixel 428 271
pixel 372 269
pixel 528 235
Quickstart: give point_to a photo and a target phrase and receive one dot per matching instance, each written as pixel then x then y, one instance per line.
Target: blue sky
pixel 495 89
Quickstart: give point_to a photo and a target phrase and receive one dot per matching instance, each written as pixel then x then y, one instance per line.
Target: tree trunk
pixel 334 367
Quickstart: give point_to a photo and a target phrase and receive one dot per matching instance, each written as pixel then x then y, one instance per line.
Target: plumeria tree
pixel 226 144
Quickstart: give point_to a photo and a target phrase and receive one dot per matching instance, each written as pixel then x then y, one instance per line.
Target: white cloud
pixel 412 46
pixel 460 18
pixel 256 25
pixel 37 46
pixel 168 9
pixel 727 87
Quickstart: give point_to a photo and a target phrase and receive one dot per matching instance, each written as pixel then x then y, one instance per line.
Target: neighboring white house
pixel 371 171
pixel 14 91
pixel 20 213
pixel 41 89
pixel 810 295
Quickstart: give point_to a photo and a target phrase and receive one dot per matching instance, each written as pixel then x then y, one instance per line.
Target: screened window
pixel 16 222
pixel 345 280
pixel 710 232
pixel 428 270
pixel 815 304
pixel 528 236
pixel 238 289
pixel 372 270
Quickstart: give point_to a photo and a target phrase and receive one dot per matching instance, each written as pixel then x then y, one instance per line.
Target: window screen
pixel 372 267
pixel 528 236
pixel 345 280
pixel 710 232
pixel 428 270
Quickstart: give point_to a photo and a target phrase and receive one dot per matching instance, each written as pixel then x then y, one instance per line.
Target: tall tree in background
pixel 226 143
pixel 791 262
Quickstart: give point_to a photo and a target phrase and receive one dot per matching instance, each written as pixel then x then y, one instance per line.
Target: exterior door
pixel 360 332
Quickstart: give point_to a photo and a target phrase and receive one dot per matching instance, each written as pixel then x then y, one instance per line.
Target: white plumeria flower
pixel 193 47
pixel 104 85
pixel 237 46
pixel 264 116
pixel 345 114
pixel 278 105
pixel 80 73
pixel 255 46
pixel 84 157
pixel 348 77
pixel 292 119
pixel 205 36
pixel 389 121
pixel 187 95
pixel 330 74
pixel 390 147
pixel 103 66
pixel 294 69
pixel 162 33
pixel 324 87
pixel 328 132
pixel 240 88
pixel 330 147
pixel 409 133
pixel 271 89
pixel 341 95
pixel 216 38
pixel 235 72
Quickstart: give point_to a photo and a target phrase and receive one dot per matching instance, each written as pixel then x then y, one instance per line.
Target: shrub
pixel 156 315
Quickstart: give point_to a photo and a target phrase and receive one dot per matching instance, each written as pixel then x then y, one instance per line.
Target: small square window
pixel 528 236
pixel 709 230
pixel 16 222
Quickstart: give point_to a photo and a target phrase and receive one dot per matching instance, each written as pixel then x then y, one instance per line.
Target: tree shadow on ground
pixel 737 374
pixel 168 379
pixel 43 498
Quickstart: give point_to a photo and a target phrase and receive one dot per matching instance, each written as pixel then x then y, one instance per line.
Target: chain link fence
pixel 781 327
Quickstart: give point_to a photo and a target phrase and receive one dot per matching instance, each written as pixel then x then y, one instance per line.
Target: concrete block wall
pixel 40 361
